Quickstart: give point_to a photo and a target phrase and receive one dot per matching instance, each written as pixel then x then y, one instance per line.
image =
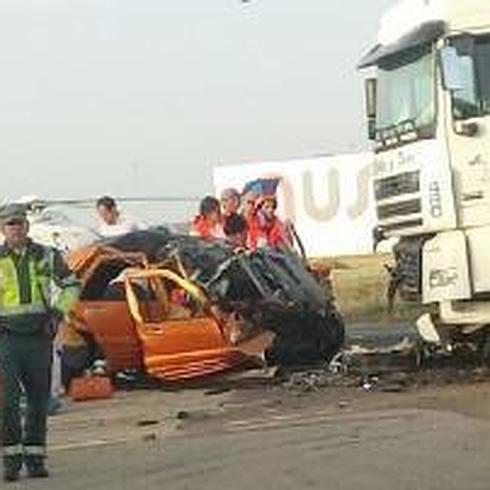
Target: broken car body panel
pixel 137 326
pixel 179 342
pixel 182 307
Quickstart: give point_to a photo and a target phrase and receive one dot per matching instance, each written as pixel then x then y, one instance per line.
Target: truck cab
pixel 428 108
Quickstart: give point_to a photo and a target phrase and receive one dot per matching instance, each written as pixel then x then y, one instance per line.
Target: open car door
pixel 181 338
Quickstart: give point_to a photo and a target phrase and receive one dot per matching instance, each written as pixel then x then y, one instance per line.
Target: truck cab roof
pixel 415 22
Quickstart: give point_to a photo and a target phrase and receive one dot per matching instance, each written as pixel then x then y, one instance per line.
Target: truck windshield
pixel 406 92
pixel 473 99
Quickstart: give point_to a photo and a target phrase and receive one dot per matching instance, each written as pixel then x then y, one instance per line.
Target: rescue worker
pixel 269 230
pixel 207 224
pixel 36 290
pixel 230 202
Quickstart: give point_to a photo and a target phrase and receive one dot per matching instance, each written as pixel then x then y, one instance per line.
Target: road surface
pixel 258 437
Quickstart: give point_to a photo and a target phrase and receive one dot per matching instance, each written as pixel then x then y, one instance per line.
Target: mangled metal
pixel 273 289
pixel 238 303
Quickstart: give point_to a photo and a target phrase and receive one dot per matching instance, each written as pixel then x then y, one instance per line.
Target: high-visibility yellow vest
pixel 10 300
pixel 46 284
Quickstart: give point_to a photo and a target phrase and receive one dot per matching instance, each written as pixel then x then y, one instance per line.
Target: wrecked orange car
pixel 137 322
pixel 176 308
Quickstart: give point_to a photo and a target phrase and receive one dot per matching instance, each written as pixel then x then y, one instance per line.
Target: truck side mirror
pixel 371 89
pixel 451 69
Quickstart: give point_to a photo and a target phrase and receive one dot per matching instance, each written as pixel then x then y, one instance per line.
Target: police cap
pixel 12 212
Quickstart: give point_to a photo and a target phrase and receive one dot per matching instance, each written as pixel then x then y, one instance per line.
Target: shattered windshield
pixel 406 94
pixel 473 99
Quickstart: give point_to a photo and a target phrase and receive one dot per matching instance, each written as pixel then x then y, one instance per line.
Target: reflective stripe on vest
pixel 35 450
pixel 12 450
pixel 22 310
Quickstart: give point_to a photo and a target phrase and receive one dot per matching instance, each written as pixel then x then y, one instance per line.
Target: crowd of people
pixel 245 220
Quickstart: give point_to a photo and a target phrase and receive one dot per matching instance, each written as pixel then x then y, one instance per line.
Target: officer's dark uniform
pixel 35 287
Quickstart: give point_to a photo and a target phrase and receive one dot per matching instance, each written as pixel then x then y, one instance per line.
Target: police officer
pixel 36 290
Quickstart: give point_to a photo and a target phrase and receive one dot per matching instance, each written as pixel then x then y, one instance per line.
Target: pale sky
pixel 143 97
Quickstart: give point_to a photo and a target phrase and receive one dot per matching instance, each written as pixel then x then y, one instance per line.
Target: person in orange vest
pixel 208 224
pixel 270 230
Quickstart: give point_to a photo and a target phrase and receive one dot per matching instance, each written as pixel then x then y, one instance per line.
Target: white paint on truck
pixel 429 119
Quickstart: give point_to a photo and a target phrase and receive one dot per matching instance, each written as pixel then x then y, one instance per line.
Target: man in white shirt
pixel 112 222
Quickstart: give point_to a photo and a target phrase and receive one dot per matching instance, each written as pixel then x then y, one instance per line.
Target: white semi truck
pixel 428 108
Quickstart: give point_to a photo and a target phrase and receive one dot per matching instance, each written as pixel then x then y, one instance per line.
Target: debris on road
pixel 183 415
pixel 390 369
pixel 149 438
pixel 147 423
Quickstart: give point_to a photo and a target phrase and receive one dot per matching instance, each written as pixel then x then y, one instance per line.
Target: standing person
pixel 207 224
pixel 248 202
pixel 230 201
pixel 249 211
pixel 36 288
pixel 271 231
pixel 113 223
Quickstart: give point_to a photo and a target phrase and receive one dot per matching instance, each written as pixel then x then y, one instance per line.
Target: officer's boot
pixel 11 468
pixel 36 466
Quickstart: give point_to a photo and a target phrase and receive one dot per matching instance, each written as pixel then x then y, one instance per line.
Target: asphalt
pixel 384 450
pixel 257 435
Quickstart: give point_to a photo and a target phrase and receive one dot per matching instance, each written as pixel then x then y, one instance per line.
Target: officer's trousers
pixel 25 361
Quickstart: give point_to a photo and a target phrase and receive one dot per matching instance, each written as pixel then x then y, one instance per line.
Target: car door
pixel 179 340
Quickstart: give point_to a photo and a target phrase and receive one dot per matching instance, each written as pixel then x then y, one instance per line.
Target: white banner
pixel 329 199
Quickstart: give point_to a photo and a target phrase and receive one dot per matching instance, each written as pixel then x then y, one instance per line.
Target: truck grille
pixel 406 183
pixel 406 212
pixel 405 208
pixel 403 225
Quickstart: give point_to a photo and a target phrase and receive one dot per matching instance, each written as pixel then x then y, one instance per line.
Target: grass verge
pixel 360 284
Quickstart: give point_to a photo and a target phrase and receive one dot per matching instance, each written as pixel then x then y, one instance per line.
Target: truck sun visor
pixel 425 34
